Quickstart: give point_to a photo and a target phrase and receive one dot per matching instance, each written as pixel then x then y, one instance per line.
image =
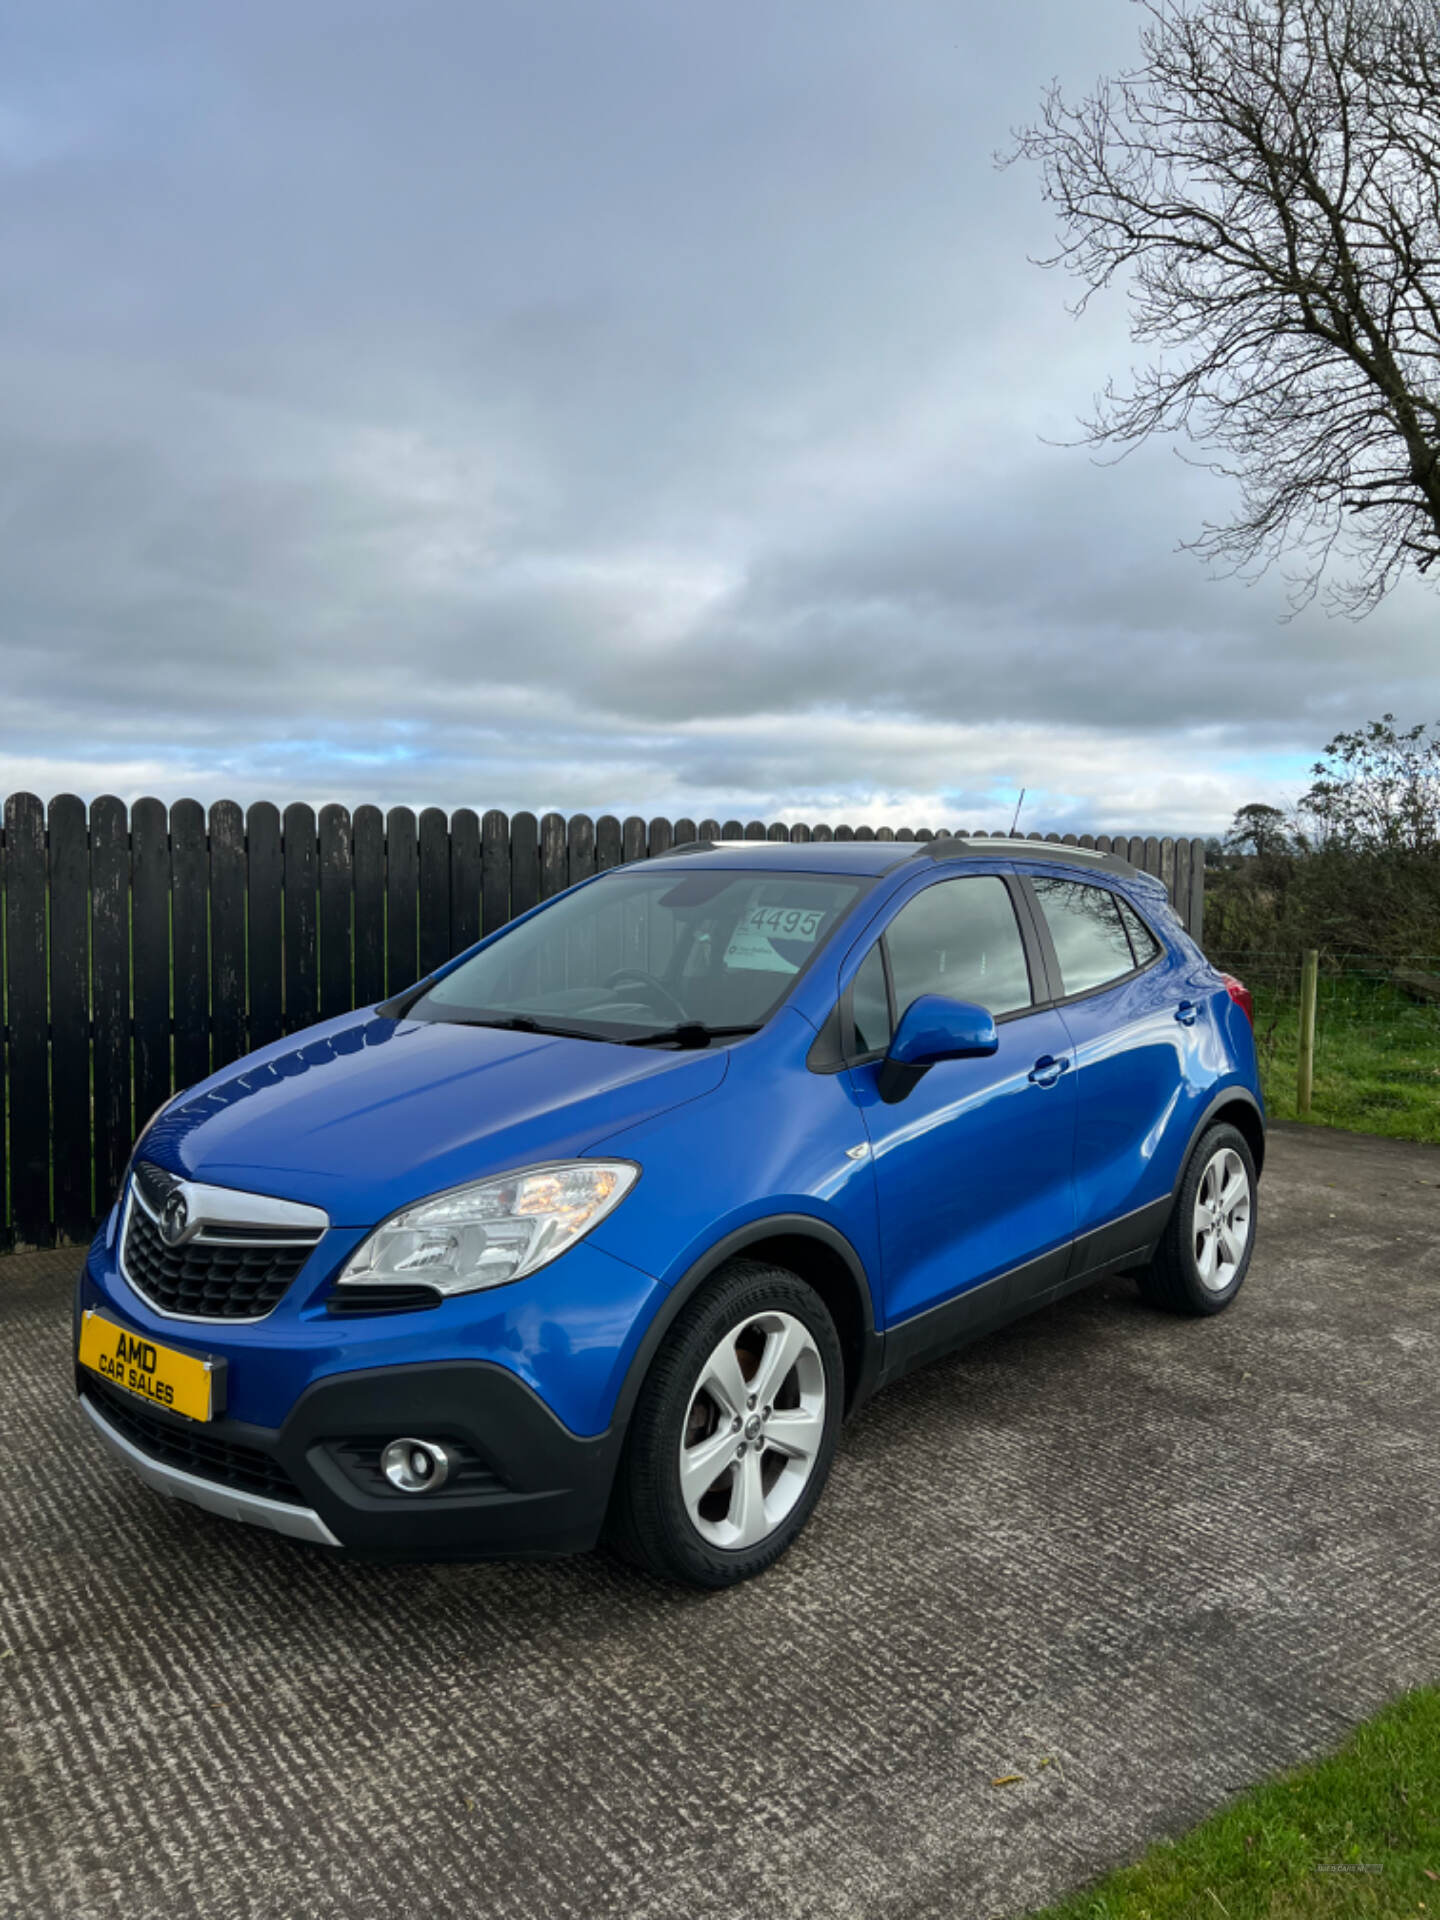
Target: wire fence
pixel 1377 1038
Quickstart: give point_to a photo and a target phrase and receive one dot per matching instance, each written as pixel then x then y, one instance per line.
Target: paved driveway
pixel 1168 1557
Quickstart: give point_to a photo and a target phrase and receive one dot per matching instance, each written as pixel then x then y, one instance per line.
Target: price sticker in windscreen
pixel 774 939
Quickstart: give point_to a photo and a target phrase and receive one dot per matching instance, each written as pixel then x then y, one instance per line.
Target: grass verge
pixel 1356 1834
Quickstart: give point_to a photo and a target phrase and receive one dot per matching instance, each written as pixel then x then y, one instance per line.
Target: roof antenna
pixel 1016 821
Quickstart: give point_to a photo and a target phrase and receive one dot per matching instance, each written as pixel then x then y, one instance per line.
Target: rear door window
pixel 1088 934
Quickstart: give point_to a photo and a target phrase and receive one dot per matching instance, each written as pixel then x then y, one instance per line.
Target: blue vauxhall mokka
pixel 600 1231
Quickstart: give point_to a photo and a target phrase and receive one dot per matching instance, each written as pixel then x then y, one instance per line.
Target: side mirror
pixel 934 1028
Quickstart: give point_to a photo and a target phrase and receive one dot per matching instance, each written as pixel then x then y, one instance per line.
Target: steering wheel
pixel 632 976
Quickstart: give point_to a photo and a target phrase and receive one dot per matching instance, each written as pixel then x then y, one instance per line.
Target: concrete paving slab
pixel 1167 1557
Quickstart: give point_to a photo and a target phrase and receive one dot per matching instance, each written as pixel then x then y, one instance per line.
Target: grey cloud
pixel 592 403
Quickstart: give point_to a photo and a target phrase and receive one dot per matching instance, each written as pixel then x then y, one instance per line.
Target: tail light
pixel 1241 995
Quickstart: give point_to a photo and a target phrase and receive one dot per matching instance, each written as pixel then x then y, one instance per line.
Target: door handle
pixel 1186 1013
pixel 1047 1070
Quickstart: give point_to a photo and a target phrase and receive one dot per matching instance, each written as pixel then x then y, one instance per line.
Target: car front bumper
pixel 522 1484
pixel 522 1481
pixel 301 1523
pixel 518 1384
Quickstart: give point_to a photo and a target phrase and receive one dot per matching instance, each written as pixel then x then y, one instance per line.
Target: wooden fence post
pixel 110 993
pixel 1305 1075
pixel 26 945
pixel 72 1150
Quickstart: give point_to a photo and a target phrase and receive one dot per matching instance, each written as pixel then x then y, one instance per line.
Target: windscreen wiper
pixel 522 1023
pixel 689 1033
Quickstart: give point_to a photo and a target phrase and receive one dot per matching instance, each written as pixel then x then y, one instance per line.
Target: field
pixel 1377 1047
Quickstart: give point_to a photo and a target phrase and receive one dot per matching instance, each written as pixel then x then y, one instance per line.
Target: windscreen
pixel 640 953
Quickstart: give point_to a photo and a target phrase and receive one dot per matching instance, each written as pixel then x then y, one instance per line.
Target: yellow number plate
pixel 178 1382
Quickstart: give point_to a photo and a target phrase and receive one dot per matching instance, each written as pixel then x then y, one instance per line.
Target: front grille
pixel 360 1459
pixel 193 1449
pixel 212 1279
pixel 226 1272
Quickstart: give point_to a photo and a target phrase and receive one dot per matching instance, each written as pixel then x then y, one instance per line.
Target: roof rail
pixel 998 845
pixel 953 847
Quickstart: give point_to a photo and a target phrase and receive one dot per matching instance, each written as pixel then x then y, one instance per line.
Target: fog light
pixel 415 1466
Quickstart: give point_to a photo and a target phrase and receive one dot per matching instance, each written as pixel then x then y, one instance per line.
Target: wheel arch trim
pixel 1233 1095
pixel 774 1226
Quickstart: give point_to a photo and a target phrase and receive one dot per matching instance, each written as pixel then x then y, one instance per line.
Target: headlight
pixel 493 1230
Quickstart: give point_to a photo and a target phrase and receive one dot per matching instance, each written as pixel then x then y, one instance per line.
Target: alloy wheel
pixel 753 1430
pixel 1220 1228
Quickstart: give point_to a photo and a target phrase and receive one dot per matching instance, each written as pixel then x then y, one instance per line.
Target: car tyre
pixel 750 1381
pixel 1204 1253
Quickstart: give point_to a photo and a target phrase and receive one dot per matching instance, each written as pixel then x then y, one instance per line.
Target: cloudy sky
pixel 600 404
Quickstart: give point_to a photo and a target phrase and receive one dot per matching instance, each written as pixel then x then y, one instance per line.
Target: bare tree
pixel 1267 181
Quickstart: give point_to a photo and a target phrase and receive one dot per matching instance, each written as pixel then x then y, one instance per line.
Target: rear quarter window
pixel 1143 943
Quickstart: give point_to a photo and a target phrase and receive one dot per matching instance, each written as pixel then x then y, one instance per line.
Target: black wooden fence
pixel 144 948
